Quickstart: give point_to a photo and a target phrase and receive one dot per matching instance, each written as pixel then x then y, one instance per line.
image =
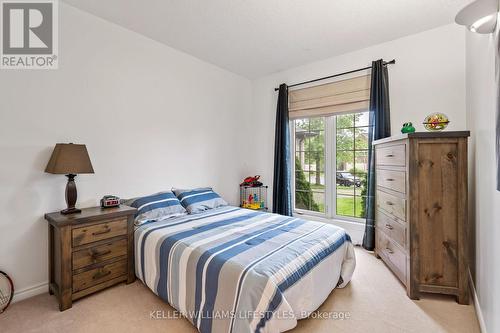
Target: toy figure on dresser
pixel 407 128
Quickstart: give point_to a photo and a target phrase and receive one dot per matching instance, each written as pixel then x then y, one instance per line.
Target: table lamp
pixel 70 159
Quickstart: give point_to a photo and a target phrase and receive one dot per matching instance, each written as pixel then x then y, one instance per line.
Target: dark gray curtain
pixel 380 128
pixel 282 195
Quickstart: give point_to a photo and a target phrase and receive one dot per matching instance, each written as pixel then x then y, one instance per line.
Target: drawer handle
pixel 389 155
pixel 390 179
pixel 388 203
pixel 388 226
pixel 96 254
pixel 100 275
pixel 389 250
pixel 97 233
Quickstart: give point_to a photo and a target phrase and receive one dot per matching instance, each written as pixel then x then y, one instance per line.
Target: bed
pixel 236 270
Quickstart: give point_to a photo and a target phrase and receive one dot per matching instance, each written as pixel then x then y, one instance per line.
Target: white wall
pixel 485 200
pixel 152 118
pixel 429 76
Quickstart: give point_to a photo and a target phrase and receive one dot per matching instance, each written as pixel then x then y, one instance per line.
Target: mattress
pixel 237 270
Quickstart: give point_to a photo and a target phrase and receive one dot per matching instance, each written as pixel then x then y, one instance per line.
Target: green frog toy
pixel 408 128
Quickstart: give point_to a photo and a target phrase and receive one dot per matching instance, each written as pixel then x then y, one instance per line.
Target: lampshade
pixel 479 16
pixel 69 158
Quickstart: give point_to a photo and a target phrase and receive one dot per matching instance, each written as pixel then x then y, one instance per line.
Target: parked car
pixel 347 179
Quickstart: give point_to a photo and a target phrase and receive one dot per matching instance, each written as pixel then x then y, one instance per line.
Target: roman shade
pixel 350 95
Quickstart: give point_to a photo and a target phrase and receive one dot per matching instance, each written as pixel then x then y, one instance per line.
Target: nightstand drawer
pixel 100 253
pixel 104 230
pixel 98 275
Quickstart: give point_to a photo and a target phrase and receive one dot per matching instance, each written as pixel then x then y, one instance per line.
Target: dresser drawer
pixel 394 256
pixel 94 233
pixel 391 204
pixel 394 230
pixel 391 155
pixel 98 275
pixel 392 179
pixel 100 253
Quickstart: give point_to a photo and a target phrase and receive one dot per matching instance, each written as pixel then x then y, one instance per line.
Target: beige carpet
pixel 375 301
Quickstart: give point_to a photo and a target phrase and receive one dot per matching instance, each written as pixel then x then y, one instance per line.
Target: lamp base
pixel 70 196
pixel 70 211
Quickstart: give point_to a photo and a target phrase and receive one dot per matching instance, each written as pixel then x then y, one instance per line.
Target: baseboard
pixel 477 306
pixel 25 293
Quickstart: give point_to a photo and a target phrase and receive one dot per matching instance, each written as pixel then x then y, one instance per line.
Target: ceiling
pixel 258 37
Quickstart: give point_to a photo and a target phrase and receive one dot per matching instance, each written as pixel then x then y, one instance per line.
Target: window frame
pixel 330 171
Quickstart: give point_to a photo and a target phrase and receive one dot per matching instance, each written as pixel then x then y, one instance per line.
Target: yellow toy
pixel 254 205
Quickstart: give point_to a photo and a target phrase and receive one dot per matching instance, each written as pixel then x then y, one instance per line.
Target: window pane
pixel 302 181
pixel 316 142
pixel 361 135
pixel 345 121
pixel 345 205
pixel 343 187
pixel 362 119
pixel 314 161
pixel 359 184
pixel 345 139
pixel 320 162
pixel 299 158
pixel 360 206
pixel 317 124
pixel 301 201
pixel 308 160
pixel 361 162
pixel 318 204
pixel 345 160
pixel 317 179
pixel 301 124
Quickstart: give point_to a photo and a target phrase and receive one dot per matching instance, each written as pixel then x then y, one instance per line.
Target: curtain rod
pixel 393 61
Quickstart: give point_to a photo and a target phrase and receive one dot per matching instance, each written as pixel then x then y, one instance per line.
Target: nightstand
pixel 90 251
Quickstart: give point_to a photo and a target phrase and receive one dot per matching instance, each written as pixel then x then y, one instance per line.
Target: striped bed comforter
pixel 236 270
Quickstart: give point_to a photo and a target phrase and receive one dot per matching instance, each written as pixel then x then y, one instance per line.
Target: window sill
pixel 354 228
pixel 324 219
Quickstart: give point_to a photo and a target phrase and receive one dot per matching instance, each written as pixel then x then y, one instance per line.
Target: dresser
pixel 421 211
pixel 89 251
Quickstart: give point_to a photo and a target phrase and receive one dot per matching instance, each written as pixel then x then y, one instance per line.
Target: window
pixel 331 161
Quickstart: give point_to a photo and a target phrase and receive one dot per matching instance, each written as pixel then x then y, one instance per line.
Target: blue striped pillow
pixel 155 207
pixel 199 199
